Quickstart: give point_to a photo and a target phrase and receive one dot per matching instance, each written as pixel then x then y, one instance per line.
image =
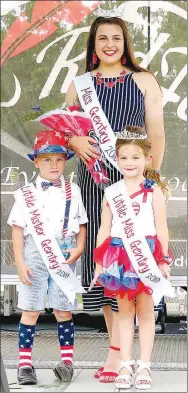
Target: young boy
pixel 46 218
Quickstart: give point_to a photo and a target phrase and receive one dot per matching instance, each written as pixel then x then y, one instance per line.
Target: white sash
pixel 135 243
pixel 47 244
pixel 90 103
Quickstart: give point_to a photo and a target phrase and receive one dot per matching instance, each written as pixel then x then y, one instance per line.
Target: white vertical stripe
pixel 114 110
pixel 133 101
pixel 109 105
pixel 120 126
pixel 117 102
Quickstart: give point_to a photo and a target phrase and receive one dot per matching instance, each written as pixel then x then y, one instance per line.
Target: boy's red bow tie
pixel 56 183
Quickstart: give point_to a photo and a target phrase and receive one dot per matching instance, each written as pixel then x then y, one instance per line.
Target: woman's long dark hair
pixel 131 61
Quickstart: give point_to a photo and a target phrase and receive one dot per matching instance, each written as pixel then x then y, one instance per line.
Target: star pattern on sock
pixel 26 336
pixel 66 340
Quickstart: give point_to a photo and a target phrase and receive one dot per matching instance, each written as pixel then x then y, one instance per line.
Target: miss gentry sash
pixel 135 243
pixel 90 103
pixel 47 244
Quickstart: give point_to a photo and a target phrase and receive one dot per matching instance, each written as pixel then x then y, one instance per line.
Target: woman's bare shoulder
pixel 144 76
pixel 147 77
pixel 146 81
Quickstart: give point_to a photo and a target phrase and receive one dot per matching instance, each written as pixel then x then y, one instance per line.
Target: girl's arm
pixel 154 119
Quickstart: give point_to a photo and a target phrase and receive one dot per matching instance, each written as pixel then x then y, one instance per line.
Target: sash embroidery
pixel 90 103
pixel 47 244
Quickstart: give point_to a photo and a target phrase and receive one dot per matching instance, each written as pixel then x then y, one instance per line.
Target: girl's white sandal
pixel 143 382
pixel 125 381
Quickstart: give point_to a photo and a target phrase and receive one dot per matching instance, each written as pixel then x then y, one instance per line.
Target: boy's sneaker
pixel 27 376
pixel 64 371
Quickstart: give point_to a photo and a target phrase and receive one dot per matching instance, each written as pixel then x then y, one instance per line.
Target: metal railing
pixel 178 248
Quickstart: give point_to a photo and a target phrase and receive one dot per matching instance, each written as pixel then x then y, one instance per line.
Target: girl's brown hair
pixel 149 173
pixel 131 61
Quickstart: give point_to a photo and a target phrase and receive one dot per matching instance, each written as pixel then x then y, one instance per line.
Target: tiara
pixel 116 12
pixel 131 133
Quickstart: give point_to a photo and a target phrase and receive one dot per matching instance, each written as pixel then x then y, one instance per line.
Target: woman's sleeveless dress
pixel 123 104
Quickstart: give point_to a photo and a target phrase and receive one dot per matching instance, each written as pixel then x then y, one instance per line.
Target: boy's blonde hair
pixel 149 172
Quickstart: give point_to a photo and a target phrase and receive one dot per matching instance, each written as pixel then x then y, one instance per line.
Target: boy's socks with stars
pixel 66 340
pixel 26 335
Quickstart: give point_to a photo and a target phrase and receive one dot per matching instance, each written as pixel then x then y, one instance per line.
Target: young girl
pixel 114 269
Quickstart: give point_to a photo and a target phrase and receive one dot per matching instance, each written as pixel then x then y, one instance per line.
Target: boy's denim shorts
pixel 33 297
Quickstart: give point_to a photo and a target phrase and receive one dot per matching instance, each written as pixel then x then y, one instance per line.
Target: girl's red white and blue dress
pixel 119 276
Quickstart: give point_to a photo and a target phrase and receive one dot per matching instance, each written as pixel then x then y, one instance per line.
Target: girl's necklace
pixel 100 80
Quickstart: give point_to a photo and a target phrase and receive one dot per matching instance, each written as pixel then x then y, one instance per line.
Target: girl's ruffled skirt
pixel 119 276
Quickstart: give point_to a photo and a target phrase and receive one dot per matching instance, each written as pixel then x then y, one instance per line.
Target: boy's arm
pixel 18 248
pixel 159 209
pixel 76 252
pixel 18 244
pixel 81 238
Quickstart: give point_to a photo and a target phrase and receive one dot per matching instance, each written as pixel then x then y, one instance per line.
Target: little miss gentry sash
pixel 135 243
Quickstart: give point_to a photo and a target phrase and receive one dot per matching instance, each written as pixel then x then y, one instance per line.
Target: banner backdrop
pixel 44 47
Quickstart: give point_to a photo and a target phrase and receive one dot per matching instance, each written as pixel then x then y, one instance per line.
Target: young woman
pixel 121 272
pixel 129 96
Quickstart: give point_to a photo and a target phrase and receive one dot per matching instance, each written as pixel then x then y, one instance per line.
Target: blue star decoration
pixel 149 183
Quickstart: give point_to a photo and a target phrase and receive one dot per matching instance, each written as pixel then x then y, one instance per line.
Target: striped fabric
pixel 56 183
pixel 94 300
pixel 67 207
pixel 25 357
pixel 123 105
pixel 67 354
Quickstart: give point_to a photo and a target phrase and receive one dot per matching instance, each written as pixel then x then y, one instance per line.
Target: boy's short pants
pixel 33 297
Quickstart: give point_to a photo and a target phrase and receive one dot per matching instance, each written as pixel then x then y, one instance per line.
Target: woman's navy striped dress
pixel 123 104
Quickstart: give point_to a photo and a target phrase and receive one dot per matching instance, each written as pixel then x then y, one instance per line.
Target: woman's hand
pixel 98 271
pixel 24 272
pixel 82 146
pixel 165 270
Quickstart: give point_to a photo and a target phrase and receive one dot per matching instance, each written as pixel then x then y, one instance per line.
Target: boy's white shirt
pixel 53 202
pixel 46 242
